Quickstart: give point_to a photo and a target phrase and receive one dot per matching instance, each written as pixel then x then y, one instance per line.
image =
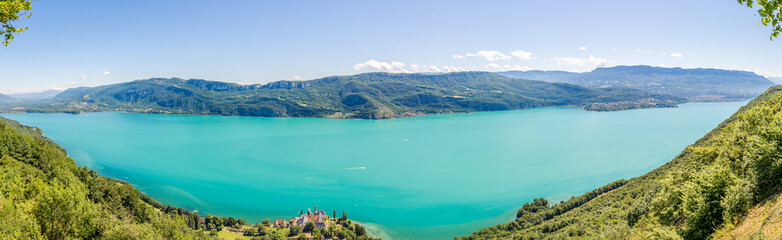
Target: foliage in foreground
pixel 770 12
pixel 44 195
pixel 711 185
pixel 12 10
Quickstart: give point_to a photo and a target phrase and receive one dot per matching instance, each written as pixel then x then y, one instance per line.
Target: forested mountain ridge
pixel 369 96
pixel 700 84
pixel 704 192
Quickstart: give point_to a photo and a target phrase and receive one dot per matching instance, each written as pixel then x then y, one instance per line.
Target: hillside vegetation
pixel 368 96
pixel 694 84
pixel 763 221
pixel 44 195
pixel 714 185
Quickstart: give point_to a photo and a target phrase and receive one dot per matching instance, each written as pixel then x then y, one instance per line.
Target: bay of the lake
pixel 431 177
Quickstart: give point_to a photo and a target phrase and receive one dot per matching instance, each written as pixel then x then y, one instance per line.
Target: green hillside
pixel 699 84
pixel 708 188
pixel 45 195
pixel 369 96
pixel 761 222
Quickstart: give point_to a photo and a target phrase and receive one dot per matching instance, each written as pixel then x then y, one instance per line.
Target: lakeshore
pixel 459 167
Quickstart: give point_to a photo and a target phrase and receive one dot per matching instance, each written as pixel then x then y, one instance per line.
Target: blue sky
pixel 89 43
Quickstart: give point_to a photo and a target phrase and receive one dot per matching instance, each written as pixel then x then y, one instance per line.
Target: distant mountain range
pixel 4 98
pixel 694 84
pixel 368 96
pixel 35 95
pixel 389 95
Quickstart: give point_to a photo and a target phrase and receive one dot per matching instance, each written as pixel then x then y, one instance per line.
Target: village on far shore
pixel 309 225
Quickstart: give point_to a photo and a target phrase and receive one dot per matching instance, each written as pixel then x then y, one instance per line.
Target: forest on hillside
pixel 704 192
pixel 45 195
pixel 365 96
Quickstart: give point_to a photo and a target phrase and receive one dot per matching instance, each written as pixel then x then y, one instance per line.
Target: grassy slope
pixel 763 221
pixel 369 96
pixel 715 180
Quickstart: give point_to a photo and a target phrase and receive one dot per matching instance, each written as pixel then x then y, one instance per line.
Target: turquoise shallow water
pixel 425 177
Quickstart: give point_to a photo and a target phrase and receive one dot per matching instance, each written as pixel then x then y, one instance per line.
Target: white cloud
pixel 492 65
pixel 399 67
pixel 524 56
pixel 493 55
pixel 587 64
pixel 506 67
pixel 519 68
pixel 296 78
pixel 582 48
pixel 76 80
pixel 393 67
pixel 106 73
pixel 453 69
pixel 490 55
pixel 769 74
pixel 651 52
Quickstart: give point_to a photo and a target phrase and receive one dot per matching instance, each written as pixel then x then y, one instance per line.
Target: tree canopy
pixel 770 12
pixel 10 11
pixel 706 192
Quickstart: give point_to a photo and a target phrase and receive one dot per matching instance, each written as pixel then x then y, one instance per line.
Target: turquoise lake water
pixel 425 177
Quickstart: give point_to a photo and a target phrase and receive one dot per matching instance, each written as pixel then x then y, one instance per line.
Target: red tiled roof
pixel 313 217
